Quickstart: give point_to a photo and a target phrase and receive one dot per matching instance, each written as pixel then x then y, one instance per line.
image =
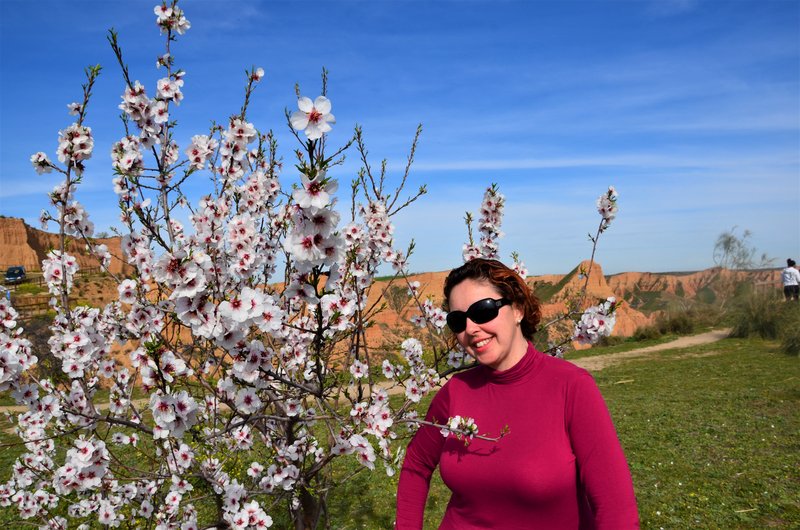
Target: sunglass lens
pixel 480 312
pixel 457 321
pixel 483 311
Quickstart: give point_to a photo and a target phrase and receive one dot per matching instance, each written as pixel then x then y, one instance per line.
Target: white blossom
pixel 313 117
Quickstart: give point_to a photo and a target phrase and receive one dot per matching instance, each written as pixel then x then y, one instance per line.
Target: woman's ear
pixel 519 314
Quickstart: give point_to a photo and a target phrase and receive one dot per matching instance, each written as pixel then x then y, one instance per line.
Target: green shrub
pixel 790 328
pixel 758 315
pixel 769 317
pixel 610 341
pixel 30 288
pixel 397 296
pixel 706 295
pixel 647 333
pixel 743 289
pixel 543 290
pixel 790 342
pixel 679 323
pixel 648 301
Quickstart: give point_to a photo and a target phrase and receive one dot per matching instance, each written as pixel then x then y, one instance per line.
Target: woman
pixel 560 466
pixel 790 277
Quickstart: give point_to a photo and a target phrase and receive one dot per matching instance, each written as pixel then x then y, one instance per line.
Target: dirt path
pixel 590 363
pixel 603 361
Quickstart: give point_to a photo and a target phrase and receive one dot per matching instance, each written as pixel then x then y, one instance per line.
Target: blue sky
pixel 690 108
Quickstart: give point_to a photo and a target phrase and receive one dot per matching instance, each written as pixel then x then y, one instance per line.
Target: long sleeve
pixel 422 457
pixel 602 467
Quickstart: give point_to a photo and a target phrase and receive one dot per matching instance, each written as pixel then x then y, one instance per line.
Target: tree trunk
pixel 307 516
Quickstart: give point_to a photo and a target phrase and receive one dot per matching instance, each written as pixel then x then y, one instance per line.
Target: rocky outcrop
pixel 23 245
pixel 26 246
pixel 690 284
pixel 564 286
pixel 15 249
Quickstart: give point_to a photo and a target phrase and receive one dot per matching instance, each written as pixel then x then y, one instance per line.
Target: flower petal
pixel 313 132
pixel 329 118
pixel 299 120
pixel 322 104
pixel 305 104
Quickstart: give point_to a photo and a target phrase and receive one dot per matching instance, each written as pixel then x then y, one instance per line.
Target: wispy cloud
pixel 651 161
pixel 689 107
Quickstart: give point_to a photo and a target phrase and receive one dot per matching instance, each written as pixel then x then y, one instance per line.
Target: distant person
pixel 560 467
pixel 791 281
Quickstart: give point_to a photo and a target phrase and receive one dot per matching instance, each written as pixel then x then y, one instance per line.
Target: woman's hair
pixel 790 262
pixel 506 281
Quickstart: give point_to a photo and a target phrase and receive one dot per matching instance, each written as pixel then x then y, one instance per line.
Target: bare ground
pixel 604 361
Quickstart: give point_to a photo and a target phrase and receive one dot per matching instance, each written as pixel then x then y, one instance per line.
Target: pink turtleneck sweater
pixel 560 466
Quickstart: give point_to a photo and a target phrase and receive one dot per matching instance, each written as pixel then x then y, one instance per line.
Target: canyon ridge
pixel 644 294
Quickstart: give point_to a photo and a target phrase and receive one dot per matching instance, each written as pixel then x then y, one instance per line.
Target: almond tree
pixel 246 317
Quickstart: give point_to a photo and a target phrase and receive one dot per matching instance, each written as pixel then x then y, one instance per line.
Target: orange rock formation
pixel 22 245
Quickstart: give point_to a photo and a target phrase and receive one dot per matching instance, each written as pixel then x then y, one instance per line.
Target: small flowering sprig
pixel 463 428
pixel 587 328
pixel 457 357
pixel 75 146
pixel 430 316
pixel 596 322
pixel 518 266
pixel 488 225
pixel 169 17
pixel 607 208
pixel 41 163
pixel 75 143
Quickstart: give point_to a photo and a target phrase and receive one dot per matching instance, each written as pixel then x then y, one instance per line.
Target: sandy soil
pixel 604 361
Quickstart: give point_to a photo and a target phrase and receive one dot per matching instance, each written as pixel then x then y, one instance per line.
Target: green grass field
pixel 712 442
pixel 712 436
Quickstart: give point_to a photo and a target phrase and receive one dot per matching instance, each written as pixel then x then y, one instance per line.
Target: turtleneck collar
pixel 520 371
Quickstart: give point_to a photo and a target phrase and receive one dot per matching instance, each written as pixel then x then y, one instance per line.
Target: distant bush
pixel 679 321
pixel 397 296
pixel 790 343
pixel 648 301
pixel 610 341
pixel 30 288
pixel 647 333
pixel 544 290
pixel 706 295
pixel 757 315
pixel 768 317
pixel 743 289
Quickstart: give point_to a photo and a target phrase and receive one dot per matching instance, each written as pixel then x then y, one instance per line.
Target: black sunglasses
pixel 480 312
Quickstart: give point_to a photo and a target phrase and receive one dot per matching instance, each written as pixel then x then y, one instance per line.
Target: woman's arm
pixel 422 457
pixel 601 463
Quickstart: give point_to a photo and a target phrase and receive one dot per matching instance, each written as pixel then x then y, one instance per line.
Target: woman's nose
pixel 472 327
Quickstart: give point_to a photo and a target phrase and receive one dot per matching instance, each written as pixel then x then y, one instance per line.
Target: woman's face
pixel 498 343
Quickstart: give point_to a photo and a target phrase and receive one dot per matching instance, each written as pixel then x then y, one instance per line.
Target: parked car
pixel 15 275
